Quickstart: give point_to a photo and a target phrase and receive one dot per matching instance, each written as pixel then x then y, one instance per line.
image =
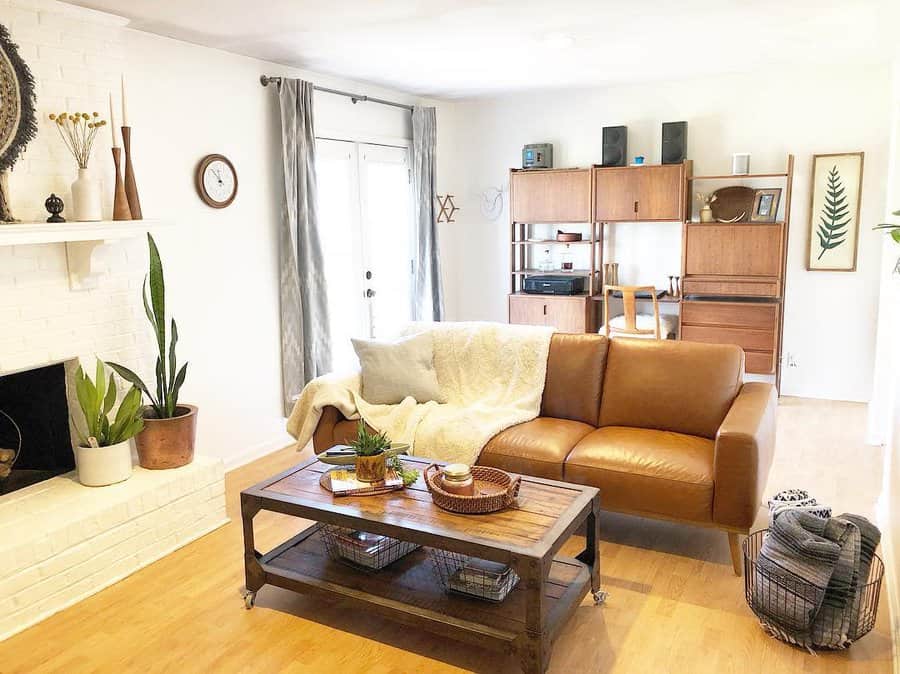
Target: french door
pixel 365 226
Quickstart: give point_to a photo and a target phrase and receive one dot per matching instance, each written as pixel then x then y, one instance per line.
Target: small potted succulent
pixel 170 427
pixel 371 454
pixel 103 452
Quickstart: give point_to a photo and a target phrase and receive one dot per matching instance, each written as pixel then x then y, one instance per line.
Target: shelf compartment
pixel 541 242
pixel 554 272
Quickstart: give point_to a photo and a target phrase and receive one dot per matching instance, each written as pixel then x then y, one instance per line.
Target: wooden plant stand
pixel 526 537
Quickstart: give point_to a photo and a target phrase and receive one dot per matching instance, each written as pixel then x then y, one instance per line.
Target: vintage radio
pixel 549 284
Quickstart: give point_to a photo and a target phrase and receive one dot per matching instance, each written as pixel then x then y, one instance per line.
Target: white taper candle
pixel 124 103
pixel 112 122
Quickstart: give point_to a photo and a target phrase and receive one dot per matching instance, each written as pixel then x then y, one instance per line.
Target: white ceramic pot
pixel 100 466
pixel 86 197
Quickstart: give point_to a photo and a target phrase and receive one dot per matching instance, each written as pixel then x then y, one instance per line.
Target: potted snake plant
pixel 170 427
pixel 103 451
pixel 371 454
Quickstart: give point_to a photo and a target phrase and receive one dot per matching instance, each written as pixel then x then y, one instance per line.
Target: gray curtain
pixel 305 342
pixel 427 295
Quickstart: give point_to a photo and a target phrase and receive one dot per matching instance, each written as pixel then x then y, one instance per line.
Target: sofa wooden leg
pixel 734 544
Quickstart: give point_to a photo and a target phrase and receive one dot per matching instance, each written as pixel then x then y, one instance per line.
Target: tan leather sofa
pixel 664 429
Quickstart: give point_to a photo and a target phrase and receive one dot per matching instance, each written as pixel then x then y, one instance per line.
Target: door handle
pixel 370 292
pixel 635 207
pixel 545 310
pixel 368 275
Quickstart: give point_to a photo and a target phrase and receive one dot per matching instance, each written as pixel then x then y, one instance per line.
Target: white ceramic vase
pixel 706 214
pixel 86 198
pixel 100 466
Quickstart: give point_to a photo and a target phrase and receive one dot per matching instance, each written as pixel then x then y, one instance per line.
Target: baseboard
pixel 257 452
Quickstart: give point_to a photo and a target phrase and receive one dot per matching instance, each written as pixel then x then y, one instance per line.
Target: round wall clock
pixel 216 180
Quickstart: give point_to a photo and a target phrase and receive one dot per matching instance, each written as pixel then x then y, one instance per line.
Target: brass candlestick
pixel 121 211
pixel 131 191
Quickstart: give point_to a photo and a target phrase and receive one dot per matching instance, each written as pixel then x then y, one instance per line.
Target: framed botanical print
pixel 834 211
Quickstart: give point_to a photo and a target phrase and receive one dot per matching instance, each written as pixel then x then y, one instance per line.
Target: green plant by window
pixel 168 381
pixel 96 400
pixel 893 230
pixel 369 444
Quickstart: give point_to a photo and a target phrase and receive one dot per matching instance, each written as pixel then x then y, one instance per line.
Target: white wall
pixel 830 317
pixel 185 101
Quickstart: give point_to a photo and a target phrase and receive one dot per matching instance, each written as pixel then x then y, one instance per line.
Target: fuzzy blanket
pixel 492 376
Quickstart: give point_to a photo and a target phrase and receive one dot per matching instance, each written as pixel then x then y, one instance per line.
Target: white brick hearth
pixel 63 542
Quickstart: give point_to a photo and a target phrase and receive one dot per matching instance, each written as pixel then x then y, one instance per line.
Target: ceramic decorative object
pixel 100 466
pixel 167 443
pixel 121 210
pixel 86 197
pixel 54 206
pixel 706 214
pixel 371 468
pixel 131 190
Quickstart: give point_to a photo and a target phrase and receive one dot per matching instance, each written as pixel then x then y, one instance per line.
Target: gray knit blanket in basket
pixel 807 578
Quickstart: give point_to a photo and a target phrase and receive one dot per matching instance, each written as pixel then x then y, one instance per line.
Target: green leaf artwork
pixel 835 215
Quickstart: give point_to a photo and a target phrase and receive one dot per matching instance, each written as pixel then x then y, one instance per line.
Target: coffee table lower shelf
pixel 408 591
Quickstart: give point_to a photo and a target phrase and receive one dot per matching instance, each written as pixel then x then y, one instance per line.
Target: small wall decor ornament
pixel 18 124
pixel 448 208
pixel 834 211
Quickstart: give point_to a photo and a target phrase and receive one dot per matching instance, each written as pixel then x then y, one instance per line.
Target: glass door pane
pixel 385 199
pixel 339 231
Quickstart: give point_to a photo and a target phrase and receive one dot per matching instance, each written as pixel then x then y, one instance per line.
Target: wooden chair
pixel 631 316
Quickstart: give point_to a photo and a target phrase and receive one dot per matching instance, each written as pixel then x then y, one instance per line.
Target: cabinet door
pixel 660 193
pixel 551 196
pixel 527 310
pixel 569 314
pixel 733 250
pixel 616 194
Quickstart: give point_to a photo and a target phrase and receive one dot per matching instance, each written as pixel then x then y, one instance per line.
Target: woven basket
pixel 495 491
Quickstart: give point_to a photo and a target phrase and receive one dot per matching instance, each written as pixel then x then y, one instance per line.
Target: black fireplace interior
pixel 36 401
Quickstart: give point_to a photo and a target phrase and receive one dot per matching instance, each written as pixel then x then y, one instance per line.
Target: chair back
pixel 629 302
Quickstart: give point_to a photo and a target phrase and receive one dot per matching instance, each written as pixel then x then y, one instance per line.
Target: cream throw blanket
pixel 491 374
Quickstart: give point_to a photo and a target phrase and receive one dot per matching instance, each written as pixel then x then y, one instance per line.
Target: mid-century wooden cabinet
pixel 565 313
pixel 751 325
pixel 550 195
pixel 639 193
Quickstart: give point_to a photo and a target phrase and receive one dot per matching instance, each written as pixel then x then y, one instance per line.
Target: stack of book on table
pixel 372 551
pixel 484 579
pixel 345 483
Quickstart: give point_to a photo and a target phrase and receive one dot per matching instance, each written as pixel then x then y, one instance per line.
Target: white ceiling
pixel 460 48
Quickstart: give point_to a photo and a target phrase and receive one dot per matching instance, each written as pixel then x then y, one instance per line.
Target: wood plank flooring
pixel 674 604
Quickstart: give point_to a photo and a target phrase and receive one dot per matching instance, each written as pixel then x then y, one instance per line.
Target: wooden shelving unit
pixel 726 266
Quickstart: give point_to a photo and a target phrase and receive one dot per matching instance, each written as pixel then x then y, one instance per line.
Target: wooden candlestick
pixel 131 191
pixel 121 211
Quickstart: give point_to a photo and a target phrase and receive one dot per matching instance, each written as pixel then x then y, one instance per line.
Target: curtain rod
pixel 265 80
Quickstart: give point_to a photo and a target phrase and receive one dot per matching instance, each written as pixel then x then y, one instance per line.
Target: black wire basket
pixel 472 577
pixel 362 550
pixel 785 605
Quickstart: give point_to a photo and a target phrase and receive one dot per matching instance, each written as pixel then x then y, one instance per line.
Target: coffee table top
pixel 546 513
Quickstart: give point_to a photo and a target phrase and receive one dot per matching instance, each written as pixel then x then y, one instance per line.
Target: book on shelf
pixel 345 483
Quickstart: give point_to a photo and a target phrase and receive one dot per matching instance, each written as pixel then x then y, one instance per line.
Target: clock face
pixel 217 181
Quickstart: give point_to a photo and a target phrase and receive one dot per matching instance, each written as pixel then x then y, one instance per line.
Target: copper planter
pixel 371 468
pixel 167 443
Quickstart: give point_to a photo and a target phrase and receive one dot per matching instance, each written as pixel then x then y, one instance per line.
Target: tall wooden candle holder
pixel 131 191
pixel 121 211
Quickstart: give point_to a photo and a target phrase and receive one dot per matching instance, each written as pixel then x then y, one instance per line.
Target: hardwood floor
pixel 674 604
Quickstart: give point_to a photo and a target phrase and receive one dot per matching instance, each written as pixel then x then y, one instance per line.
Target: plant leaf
pixel 172 364
pixel 111 393
pixel 176 386
pixel 133 378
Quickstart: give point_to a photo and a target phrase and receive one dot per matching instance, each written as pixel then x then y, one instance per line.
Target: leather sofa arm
pixel 323 436
pixel 745 445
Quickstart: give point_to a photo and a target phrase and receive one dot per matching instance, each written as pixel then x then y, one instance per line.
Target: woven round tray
pixel 494 490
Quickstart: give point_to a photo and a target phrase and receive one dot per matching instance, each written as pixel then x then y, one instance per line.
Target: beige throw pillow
pixel 393 370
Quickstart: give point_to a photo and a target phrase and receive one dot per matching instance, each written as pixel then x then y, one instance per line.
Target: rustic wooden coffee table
pixel 527 537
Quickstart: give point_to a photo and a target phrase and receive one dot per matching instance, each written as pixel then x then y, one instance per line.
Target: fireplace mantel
pixel 81 240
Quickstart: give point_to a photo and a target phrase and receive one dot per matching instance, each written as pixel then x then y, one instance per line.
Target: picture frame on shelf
pixel 765 205
pixel 834 203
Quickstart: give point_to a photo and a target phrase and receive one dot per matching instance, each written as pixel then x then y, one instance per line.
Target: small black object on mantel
pixel 54 206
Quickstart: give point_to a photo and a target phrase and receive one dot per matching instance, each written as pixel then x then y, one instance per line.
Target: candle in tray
pixel 124 104
pixel 112 122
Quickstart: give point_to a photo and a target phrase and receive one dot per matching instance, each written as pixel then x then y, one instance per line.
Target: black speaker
pixel 615 146
pixel 674 142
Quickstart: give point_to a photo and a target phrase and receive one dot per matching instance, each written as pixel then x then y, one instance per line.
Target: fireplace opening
pixel 36 408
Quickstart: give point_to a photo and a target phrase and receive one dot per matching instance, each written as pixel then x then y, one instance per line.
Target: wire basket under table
pixel 369 552
pixel 471 576
pixel 778 600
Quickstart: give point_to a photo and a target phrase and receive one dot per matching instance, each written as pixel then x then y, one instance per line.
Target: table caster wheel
pixel 600 597
pixel 249 600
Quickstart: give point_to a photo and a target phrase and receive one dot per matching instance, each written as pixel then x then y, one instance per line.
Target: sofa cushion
pixel 538 447
pixel 646 471
pixel 574 377
pixel 393 370
pixel 684 387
